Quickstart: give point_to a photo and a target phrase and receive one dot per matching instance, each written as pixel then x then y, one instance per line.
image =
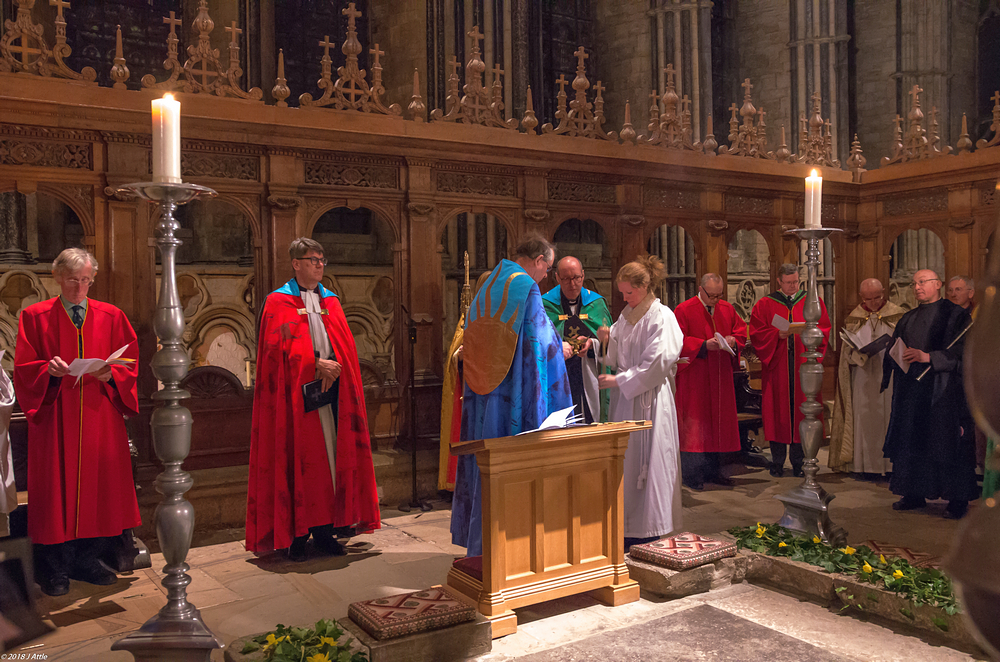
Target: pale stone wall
pixel 875 40
pixel 763 37
pixel 623 38
pixel 400 29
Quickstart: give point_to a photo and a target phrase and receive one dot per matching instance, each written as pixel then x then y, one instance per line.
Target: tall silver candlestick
pixel 807 506
pixel 176 632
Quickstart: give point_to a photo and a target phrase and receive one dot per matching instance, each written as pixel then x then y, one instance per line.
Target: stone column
pixel 519 78
pixel 13 229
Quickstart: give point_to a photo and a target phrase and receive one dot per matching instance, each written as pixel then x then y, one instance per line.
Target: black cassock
pixel 930 457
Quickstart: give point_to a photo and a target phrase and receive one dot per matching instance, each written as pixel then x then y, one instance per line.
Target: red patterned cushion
pixel 684 551
pixel 410 613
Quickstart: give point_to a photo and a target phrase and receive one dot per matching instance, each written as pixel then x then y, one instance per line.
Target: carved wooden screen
pixel 748 269
pixel 673 245
pixel 913 250
pixel 584 240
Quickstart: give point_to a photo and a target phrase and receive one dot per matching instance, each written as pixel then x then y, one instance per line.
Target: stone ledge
pixel 673 584
pixel 451 644
pixel 812 583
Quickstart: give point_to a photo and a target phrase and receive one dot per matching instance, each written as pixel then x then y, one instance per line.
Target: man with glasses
pixel 577 313
pixel 931 457
pixel 311 470
pixel 706 395
pixel 860 411
pixel 780 351
pixel 80 488
pixel 514 372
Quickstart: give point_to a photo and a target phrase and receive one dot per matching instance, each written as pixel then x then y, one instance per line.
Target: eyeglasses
pixel 317 261
pixel 711 296
pixel 85 282
pixel 572 279
pixel 929 280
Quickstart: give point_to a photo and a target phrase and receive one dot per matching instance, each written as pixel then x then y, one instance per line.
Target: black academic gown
pixel 930 457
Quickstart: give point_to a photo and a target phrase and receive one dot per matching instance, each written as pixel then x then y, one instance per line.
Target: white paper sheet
pixel 897 354
pixel 723 344
pixel 558 419
pixel 780 323
pixel 80 367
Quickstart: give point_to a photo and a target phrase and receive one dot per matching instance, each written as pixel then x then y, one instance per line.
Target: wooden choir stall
pixel 553 520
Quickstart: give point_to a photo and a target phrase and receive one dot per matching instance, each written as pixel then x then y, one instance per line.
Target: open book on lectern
pixel 562 418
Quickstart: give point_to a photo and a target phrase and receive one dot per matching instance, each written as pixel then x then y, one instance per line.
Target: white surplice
pixel 8 493
pixel 871 408
pixel 644 348
pixel 324 350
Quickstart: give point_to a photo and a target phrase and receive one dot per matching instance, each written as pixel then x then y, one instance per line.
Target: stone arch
pixel 208 346
pixel 607 223
pixel 912 249
pixel 251 213
pixel 74 199
pixel 748 269
pixel 349 225
pixel 506 216
pixel 674 244
pixel 587 239
pixel 217 231
pixel 379 211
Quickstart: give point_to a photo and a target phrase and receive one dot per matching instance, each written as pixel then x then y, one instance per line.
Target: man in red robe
pixel 80 487
pixel 706 396
pixel 310 472
pixel 781 359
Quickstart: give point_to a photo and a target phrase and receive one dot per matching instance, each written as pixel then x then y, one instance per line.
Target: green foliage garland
pixel 922 586
pixel 323 643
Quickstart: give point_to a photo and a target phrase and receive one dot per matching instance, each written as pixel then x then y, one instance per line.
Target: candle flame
pixel 170 97
pixel 814 173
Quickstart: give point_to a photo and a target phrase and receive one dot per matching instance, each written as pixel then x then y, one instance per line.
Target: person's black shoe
pixel 719 479
pixel 297 550
pixel 777 472
pixel 93 572
pixel 798 472
pixel 55 586
pixel 956 509
pixel 329 546
pixel 909 503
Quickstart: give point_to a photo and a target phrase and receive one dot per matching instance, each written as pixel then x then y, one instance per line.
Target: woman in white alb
pixel 643 346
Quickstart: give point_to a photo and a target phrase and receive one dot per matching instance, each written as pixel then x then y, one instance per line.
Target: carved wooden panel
pixel 744 204
pixel 18 151
pixel 476 184
pixel 582 192
pixel 208 382
pixel 671 198
pixel 827 213
pixel 987 196
pixel 224 166
pixel 907 203
pixel 361 175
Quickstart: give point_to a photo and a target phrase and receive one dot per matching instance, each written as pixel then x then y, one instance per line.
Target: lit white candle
pixel 814 197
pixel 167 140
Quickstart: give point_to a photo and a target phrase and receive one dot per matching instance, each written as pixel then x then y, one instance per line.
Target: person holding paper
pixel 311 470
pixel 644 346
pixel 860 412
pixel 577 313
pixel 931 457
pixel 81 491
pixel 714 336
pixel 775 323
pixel 515 374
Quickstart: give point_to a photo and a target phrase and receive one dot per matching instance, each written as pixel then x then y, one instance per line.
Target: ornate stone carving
pixel 961 223
pixel 670 118
pixel 476 184
pixel 529 121
pixel 420 209
pixel 45 154
pixel 670 198
pixel 280 90
pixel 351 91
pixel 114 193
pixel 353 174
pixel 994 127
pixel 634 220
pixel 23 47
pixel 987 196
pixel 964 144
pixel 744 204
pixel 417 108
pixel 750 137
pixel 583 119
pixel 815 144
pixel 856 161
pixel 908 203
pixel 717 227
pixel 202 72
pixel 537 215
pixel 284 201
pixel 918 142
pixel 477 105
pixel 119 70
pixel 581 192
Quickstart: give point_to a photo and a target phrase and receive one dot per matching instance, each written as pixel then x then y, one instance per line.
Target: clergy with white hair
pixel 860 412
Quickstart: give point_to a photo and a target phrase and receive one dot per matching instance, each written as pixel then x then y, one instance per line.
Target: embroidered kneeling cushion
pixel 683 551
pixel 410 613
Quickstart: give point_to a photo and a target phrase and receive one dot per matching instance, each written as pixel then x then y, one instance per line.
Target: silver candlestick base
pixel 176 632
pixel 807 505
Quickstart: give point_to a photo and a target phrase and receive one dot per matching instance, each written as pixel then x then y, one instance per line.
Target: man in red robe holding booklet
pixel 781 358
pixel 706 396
pixel 80 487
pixel 311 469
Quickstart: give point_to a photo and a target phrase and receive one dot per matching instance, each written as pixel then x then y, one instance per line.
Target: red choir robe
pixel 706 396
pixel 779 375
pixel 80 481
pixel 290 487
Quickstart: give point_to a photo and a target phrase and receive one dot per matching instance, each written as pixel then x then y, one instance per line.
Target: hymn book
pixel 871 349
pixel 897 354
pixel 562 418
pixel 782 324
pixel 723 344
pixel 80 367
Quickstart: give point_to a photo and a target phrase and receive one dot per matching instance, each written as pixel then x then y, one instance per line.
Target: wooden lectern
pixel 553 520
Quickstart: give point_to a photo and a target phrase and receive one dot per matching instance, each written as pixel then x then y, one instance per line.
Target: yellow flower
pixel 817 540
pixel 867 568
pixel 781 544
pixel 881 557
pixel 329 641
pixel 273 641
pixel 848 550
pixel 898 574
pixel 319 657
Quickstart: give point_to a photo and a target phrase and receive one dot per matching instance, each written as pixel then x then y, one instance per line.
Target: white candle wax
pixel 814 198
pixel 167 140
